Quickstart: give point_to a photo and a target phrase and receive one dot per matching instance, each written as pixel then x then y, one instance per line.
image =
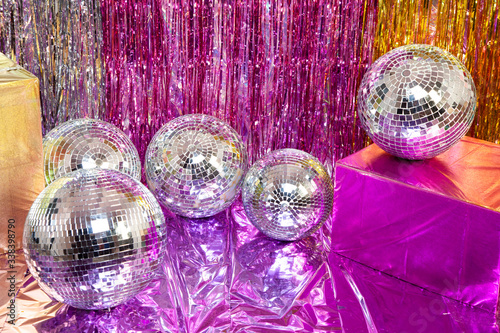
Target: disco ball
pixel 195 165
pixel 288 194
pixel 94 238
pixel 86 144
pixel 416 101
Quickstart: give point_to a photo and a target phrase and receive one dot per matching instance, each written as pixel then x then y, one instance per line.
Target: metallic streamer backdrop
pixel 60 42
pixel 284 74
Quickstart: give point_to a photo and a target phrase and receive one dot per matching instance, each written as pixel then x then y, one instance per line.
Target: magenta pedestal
pixel 433 223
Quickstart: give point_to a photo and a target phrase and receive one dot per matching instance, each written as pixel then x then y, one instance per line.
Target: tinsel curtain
pixel 283 73
pixel 60 42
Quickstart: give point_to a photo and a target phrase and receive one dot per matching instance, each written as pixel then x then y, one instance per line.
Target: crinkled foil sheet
pixel 222 275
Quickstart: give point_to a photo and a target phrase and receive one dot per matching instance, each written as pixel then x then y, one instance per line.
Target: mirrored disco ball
pixel 85 144
pixel 288 194
pixel 94 238
pixel 416 101
pixel 195 165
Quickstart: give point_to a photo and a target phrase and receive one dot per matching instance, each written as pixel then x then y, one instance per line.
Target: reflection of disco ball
pixel 93 239
pixel 288 194
pixel 276 272
pixel 87 144
pixel 195 164
pixel 416 101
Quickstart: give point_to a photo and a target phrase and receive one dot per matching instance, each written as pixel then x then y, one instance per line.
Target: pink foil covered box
pixel 433 223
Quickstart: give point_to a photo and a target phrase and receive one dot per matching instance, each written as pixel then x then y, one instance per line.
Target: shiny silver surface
pixel 195 165
pixel 85 144
pixel 94 238
pixel 288 194
pixel 416 101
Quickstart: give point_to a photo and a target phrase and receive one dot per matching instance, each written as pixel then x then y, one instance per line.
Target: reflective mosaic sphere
pixel 416 101
pixel 195 165
pixel 94 238
pixel 288 194
pixel 86 144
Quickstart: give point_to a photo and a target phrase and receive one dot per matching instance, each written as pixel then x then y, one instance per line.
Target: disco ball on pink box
pixel 417 101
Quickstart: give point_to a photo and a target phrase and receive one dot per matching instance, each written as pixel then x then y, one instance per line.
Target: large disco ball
pixel 416 101
pixel 93 239
pixel 86 144
pixel 288 194
pixel 195 165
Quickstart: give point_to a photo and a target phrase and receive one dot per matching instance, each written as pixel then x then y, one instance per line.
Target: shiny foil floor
pixel 228 277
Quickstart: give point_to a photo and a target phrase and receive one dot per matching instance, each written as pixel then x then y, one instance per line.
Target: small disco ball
pixel 288 194
pixel 86 144
pixel 195 165
pixel 94 238
pixel 416 101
